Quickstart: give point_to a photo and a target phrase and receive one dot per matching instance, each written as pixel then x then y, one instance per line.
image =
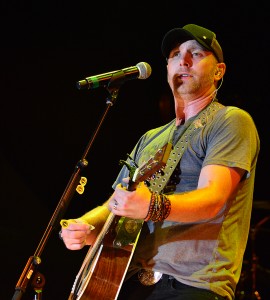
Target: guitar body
pixel 107 278
pixel 107 261
pixel 104 274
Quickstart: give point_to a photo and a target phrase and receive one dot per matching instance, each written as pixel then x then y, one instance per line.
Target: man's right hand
pixel 76 234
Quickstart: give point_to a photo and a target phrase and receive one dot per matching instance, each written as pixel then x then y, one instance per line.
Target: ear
pixel 220 71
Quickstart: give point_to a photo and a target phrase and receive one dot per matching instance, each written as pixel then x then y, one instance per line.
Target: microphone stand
pixel 30 274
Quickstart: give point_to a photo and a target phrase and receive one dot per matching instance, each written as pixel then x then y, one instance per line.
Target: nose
pixel 185 59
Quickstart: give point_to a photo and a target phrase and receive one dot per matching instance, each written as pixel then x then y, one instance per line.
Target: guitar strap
pixel 158 183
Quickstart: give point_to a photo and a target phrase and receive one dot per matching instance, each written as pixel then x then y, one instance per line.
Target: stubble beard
pixel 183 88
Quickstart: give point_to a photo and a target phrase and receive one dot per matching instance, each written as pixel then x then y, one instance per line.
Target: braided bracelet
pixel 159 208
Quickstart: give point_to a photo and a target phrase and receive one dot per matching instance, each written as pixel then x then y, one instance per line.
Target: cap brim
pixel 178 36
pixel 174 37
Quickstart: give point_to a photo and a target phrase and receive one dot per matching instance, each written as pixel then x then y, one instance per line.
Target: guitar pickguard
pixel 126 231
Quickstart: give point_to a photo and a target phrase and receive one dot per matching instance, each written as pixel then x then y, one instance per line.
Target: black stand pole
pixel 30 274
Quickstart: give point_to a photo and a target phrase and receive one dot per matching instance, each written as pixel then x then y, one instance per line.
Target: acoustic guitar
pixel 106 262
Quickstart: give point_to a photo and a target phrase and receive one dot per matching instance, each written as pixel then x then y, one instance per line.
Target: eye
pixel 197 53
pixel 174 54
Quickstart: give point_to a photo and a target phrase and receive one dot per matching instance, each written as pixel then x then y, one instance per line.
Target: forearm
pixel 216 185
pixel 195 206
pixel 97 216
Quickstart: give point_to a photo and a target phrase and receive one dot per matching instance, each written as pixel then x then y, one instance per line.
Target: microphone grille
pixel 144 69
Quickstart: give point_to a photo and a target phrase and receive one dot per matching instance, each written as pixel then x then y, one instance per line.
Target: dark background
pixel 46 122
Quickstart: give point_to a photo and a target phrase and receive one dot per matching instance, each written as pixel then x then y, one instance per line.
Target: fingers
pixel 114 202
pixel 126 180
pixel 74 239
pixel 74 233
pixel 115 205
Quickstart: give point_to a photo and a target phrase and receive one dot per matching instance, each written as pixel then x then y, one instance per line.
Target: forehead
pixel 190 44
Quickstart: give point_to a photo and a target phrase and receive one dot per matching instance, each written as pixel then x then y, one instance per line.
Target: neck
pixel 189 109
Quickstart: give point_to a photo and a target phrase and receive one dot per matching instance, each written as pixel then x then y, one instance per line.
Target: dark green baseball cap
pixel 205 37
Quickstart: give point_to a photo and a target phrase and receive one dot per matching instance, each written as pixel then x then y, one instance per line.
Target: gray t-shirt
pixel 205 254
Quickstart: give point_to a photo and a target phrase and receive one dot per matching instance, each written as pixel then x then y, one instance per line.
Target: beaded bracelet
pixel 159 208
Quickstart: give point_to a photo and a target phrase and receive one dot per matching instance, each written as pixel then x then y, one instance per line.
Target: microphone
pixel 141 71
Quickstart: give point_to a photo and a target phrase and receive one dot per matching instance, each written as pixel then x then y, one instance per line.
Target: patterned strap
pixel 158 183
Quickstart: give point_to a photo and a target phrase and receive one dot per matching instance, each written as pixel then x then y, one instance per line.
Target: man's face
pixel 191 69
